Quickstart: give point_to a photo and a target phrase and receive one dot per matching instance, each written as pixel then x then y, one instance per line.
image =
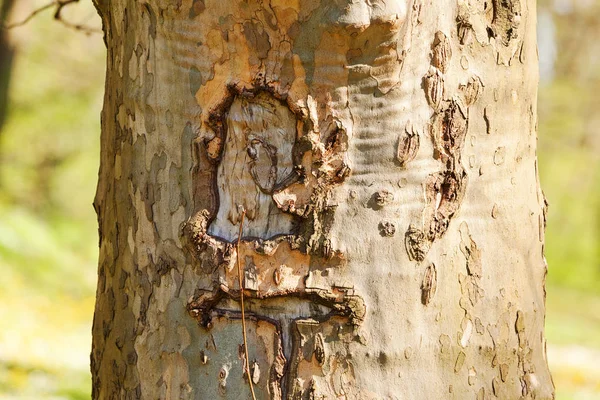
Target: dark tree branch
pixel 29 17
pixel 58 5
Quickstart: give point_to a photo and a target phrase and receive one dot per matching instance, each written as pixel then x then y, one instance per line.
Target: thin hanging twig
pixel 240 277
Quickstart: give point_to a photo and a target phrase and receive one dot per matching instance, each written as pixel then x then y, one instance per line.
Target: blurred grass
pixel 49 149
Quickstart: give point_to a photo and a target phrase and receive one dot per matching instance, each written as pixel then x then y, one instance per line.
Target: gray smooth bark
pixel 382 156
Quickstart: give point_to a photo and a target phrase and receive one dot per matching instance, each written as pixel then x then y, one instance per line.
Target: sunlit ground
pixel 48 240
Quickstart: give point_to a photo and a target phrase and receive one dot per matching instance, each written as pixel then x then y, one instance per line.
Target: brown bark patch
pixel 408 146
pixel 429 284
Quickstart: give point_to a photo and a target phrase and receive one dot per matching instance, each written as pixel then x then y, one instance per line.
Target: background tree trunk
pixel 384 156
pixel 6 60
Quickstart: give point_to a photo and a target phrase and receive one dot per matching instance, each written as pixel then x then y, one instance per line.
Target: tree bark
pixel 382 158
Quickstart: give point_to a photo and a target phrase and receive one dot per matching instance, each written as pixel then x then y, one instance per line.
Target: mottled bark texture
pixel 384 154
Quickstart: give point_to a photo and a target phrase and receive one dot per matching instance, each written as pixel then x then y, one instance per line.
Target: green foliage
pixel 569 167
pixel 36 382
pixel 49 154
pixel 570 170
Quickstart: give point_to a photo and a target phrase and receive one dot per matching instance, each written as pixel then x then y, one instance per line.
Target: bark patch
pixel 265 158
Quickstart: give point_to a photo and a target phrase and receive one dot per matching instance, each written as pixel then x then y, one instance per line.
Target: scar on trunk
pixel 444 189
pixel 266 158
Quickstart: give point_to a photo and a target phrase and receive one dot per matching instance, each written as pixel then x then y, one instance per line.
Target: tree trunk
pixel 6 60
pixel 381 156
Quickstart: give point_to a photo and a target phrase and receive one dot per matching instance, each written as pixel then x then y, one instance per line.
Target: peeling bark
pixel 383 154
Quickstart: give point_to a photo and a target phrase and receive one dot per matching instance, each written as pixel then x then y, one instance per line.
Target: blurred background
pixel 51 87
